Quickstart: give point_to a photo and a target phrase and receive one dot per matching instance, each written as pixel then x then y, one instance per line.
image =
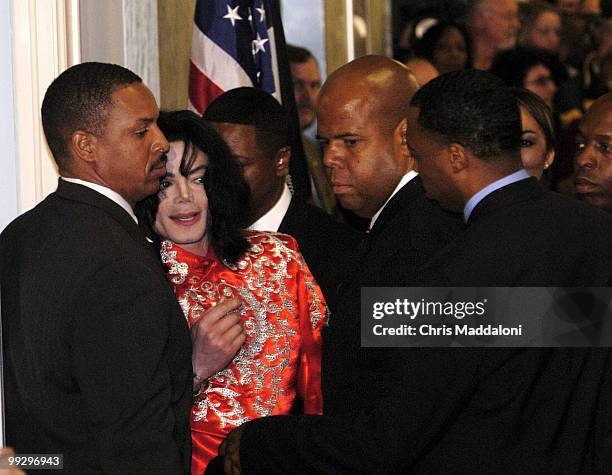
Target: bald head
pixel 387 87
pixel 361 114
pixel 593 159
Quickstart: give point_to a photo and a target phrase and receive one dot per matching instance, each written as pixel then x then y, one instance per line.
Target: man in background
pixel 306 86
pixel 494 26
pixel 593 160
pixel 255 127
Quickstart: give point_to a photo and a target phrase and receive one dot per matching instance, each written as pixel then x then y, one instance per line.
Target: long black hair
pixel 228 193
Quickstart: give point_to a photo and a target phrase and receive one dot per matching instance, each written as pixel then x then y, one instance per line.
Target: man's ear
pixel 458 157
pixel 399 135
pixel 281 161
pixel 400 144
pixel 82 146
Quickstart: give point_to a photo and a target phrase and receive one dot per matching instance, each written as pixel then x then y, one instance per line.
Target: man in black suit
pixel 535 410
pixel 255 127
pixel 362 124
pixel 97 353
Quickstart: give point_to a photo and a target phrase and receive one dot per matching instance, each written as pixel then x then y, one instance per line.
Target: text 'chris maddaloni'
pixel 428 318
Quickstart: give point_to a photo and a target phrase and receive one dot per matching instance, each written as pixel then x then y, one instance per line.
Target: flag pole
pixel 298 168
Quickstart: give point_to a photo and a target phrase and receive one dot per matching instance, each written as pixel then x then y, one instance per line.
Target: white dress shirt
pixel 110 194
pixel 271 221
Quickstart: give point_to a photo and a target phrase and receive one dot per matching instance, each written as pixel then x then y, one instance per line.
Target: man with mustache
pixel 97 353
pixel 593 160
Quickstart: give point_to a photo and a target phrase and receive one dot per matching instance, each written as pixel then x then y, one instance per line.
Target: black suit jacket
pixel 523 235
pixel 530 410
pixel 408 232
pixel 97 354
pixel 328 247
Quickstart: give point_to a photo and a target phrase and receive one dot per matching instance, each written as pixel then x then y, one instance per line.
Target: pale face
pixel 306 87
pixel 539 80
pixel 182 216
pixel 546 32
pixel 501 23
pixel 533 146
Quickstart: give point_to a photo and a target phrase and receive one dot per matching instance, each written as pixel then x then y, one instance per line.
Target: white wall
pixel 122 32
pixel 8 157
pixel 304 25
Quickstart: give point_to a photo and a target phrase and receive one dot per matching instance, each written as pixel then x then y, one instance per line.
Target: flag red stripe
pixel 202 91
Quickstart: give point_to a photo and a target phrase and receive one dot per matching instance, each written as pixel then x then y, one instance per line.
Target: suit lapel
pixel 293 221
pixel 83 194
pixel 409 191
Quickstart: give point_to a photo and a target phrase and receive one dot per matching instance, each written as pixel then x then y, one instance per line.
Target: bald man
pixel 362 124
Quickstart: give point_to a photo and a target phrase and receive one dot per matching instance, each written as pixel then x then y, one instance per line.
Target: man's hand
pixel 5 453
pixel 216 337
pixel 230 451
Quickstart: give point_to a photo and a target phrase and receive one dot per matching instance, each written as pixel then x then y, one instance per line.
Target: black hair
pixel 297 54
pixel 513 65
pixel 426 46
pixel 540 112
pixel 80 99
pixel 473 108
pixel 252 106
pixel 225 187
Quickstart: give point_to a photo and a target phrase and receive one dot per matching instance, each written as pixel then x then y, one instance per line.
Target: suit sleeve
pixel 313 315
pixel 388 436
pixel 121 366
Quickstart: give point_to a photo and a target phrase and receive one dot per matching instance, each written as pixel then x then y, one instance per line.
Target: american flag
pixel 233 45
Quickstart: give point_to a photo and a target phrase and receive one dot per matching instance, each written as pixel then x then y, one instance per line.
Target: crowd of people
pixel 560 51
pixel 174 307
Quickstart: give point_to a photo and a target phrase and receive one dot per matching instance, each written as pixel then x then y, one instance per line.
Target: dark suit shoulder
pixel 524 235
pixel 327 246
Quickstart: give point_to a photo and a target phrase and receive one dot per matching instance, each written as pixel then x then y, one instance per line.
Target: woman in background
pixel 535 70
pixel 538 138
pixel 197 215
pixel 447 46
pixel 540 26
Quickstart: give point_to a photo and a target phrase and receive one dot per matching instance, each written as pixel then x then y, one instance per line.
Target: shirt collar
pixel 271 221
pixel 487 190
pixel 405 179
pixel 110 194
